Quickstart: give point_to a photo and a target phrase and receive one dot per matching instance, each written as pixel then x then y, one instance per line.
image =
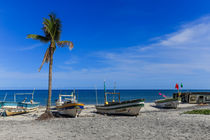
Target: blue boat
pixel 14 108
pixel 27 105
pixel 8 104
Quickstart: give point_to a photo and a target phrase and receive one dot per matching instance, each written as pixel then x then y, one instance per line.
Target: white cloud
pixel 183 56
pixel 12 79
pixel 31 47
pixel 180 56
pixel 72 60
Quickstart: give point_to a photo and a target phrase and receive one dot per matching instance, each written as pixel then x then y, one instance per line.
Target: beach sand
pixel 152 123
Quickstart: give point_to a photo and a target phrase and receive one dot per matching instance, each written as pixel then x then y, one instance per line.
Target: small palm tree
pixel 52 31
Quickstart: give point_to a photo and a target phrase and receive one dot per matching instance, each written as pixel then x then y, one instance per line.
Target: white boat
pixel 131 107
pixel 167 103
pixel 69 105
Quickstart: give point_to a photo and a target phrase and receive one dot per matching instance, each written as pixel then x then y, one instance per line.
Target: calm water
pixel 89 96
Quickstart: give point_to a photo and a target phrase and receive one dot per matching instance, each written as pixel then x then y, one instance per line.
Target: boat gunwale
pixel 124 102
pixel 166 100
pixel 101 107
pixel 69 105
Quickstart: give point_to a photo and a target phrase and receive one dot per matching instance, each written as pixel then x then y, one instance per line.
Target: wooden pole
pixel 105 92
pixel 96 96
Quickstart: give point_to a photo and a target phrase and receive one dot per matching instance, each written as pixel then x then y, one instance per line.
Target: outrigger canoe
pixel 16 108
pixel 12 112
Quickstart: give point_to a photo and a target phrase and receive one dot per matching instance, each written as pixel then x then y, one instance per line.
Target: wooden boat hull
pixel 12 112
pixel 71 109
pixel 170 104
pixel 131 108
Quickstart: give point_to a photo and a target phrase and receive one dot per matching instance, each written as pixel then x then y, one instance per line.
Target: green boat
pixel 130 107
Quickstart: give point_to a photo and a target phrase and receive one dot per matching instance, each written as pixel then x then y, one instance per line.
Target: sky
pixel 139 44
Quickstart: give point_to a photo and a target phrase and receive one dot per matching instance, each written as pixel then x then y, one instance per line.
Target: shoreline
pixel 152 123
pixel 90 111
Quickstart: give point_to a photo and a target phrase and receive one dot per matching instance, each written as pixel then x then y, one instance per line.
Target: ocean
pixel 89 96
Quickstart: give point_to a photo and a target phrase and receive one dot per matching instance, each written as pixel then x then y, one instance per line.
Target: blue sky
pixel 142 44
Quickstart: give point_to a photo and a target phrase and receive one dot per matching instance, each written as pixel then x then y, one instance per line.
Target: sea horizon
pixel 103 89
pixel 88 96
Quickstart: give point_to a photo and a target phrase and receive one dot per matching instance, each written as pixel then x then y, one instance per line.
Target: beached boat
pixel 15 108
pixel 131 107
pixel 167 103
pixel 12 112
pixel 68 105
pixel 18 110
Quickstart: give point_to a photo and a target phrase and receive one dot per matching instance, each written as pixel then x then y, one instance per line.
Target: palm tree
pixel 52 31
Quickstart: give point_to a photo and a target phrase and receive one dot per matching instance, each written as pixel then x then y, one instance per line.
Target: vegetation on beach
pixel 166 100
pixel 199 111
pixel 52 32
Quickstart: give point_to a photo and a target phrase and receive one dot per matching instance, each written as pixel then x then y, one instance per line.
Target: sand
pixel 152 123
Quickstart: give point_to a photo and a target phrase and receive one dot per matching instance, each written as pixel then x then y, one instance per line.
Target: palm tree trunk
pixel 50 79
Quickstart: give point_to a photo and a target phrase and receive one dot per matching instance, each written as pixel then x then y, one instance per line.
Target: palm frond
pixel 65 44
pixel 57 32
pixel 52 27
pixel 38 37
pixel 47 34
pixel 46 58
pixel 52 17
pixel 48 27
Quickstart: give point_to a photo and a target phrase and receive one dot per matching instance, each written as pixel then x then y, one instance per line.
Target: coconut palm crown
pixel 52 31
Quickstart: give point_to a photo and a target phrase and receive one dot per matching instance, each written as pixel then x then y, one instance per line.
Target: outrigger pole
pixel 105 100
pixel 96 95
pixel 114 86
pixel 32 94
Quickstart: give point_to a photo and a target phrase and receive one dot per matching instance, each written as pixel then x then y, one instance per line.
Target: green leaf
pixel 38 37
